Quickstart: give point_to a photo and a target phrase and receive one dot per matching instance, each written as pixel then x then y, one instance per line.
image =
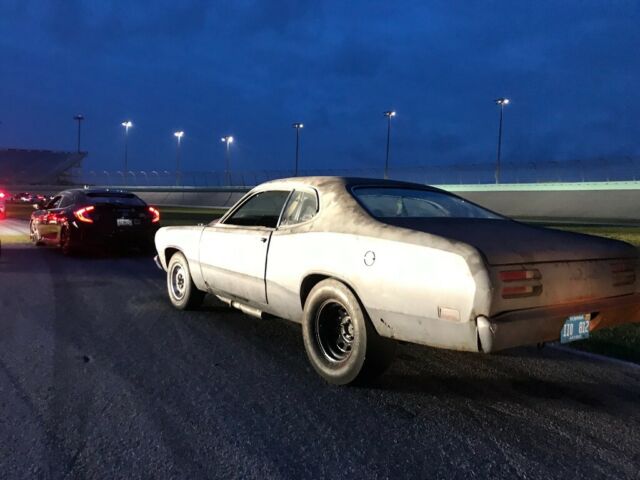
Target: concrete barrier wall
pixel 611 202
pixel 601 202
pixel 192 199
pixel 615 202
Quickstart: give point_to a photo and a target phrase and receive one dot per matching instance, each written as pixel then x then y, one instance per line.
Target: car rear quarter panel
pixel 401 285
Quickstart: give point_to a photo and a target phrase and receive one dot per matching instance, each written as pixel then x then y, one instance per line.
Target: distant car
pixel 362 262
pixel 79 218
pixel 3 205
pixel 23 197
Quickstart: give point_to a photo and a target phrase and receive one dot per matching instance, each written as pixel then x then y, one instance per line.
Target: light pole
pixel 179 136
pixel 79 118
pixel 297 126
pixel 501 102
pixel 127 125
pixel 388 114
pixel 228 139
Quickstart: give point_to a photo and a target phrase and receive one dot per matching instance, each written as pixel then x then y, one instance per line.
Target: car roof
pixel 97 191
pixel 335 181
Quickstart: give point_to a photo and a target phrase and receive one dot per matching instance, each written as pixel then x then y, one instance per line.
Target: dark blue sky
pixel 251 68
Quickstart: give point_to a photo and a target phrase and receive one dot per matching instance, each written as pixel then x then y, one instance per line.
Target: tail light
pixel 83 214
pixel 521 283
pixel 155 214
pixel 1 194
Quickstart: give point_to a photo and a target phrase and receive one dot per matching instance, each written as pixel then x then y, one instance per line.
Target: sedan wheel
pixel 34 235
pixel 65 242
pixel 340 341
pixel 182 292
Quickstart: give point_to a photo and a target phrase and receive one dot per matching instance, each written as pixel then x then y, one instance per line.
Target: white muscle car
pixel 361 263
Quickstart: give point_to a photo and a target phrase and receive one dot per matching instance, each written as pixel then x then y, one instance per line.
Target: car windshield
pixel 390 202
pixel 127 199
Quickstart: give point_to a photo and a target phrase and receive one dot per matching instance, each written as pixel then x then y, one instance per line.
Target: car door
pixel 233 252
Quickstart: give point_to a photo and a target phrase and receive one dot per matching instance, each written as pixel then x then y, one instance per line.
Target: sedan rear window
pixel 126 199
pixel 389 202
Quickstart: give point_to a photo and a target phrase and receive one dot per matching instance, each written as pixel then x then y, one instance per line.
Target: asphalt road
pixel 101 378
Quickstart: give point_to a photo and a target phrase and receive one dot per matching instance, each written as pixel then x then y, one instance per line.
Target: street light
pixel 501 102
pixel 228 139
pixel 179 136
pixel 388 114
pixel 127 124
pixel 297 126
pixel 79 118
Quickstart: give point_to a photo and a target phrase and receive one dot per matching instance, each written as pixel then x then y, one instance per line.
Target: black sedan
pixel 79 218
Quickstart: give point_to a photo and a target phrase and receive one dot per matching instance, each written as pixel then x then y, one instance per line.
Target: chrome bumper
pixel 156 260
pixel 536 325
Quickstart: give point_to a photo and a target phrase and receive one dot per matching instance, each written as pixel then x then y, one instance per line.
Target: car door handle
pixel 263 239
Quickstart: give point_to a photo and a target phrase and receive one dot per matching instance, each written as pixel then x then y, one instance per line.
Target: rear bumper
pixel 156 260
pixel 536 325
pixel 88 236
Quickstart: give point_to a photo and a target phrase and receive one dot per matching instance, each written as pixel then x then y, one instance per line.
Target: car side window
pixel 261 210
pixel 54 202
pixel 302 207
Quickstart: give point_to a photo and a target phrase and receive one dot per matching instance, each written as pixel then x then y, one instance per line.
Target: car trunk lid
pixel 505 242
pixel 120 218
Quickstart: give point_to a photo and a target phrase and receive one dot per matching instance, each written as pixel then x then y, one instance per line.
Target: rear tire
pixel 65 242
pixel 341 343
pixel 182 292
pixel 34 236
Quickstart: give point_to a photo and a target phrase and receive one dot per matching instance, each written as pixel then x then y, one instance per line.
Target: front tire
pixel 341 343
pixel 182 292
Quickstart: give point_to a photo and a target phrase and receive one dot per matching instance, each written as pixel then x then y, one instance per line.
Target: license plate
pixel 124 222
pixel 576 327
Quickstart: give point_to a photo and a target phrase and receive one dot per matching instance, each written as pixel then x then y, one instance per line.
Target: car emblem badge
pixel 369 258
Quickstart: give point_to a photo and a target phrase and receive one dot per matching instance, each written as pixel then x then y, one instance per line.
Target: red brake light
pixel 155 215
pixel 532 283
pixel 519 275
pixel 521 291
pixel 82 214
pixel 1 194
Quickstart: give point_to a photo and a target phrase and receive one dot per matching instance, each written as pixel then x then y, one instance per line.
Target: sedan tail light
pixel 83 214
pixel 155 214
pixel 521 283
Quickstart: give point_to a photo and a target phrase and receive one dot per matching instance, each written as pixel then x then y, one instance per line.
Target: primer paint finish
pixel 401 271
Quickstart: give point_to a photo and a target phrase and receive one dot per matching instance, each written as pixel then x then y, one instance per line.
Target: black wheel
pixel 65 242
pixel 182 292
pixel 34 236
pixel 341 343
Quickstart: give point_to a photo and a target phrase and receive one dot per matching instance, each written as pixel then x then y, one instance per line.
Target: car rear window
pixel 127 199
pixel 390 202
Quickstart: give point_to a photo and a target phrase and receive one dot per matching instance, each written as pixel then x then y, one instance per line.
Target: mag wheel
pixel 340 341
